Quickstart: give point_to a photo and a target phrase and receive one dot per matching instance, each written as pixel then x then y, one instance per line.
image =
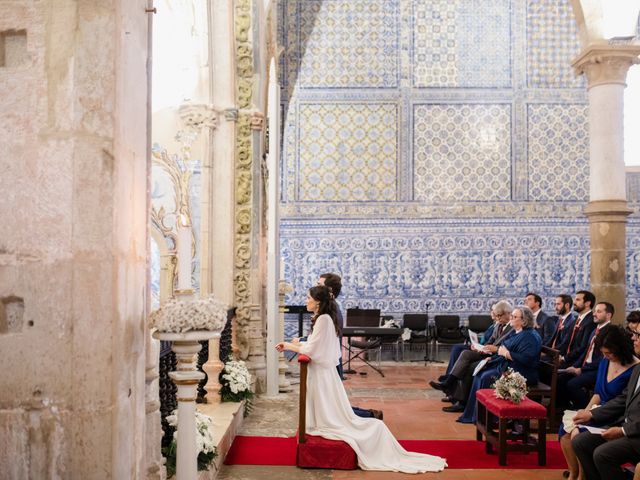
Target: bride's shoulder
pixel 325 317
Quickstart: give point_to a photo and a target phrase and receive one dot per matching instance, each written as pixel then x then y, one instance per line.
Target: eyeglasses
pixel 633 333
pixel 517 318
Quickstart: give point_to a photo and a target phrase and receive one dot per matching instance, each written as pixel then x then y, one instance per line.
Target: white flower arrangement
pixel 178 316
pixel 511 386
pixel 236 375
pixel 205 443
pixel 235 381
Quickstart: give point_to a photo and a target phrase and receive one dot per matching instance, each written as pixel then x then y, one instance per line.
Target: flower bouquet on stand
pixel 511 386
pixel 181 316
pixel 204 443
pixel 235 382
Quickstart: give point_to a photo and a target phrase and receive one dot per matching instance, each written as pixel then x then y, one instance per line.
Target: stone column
pixel 222 175
pixel 606 68
pixel 283 383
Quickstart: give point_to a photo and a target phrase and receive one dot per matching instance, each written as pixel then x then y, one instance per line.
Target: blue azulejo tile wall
pixel 436 152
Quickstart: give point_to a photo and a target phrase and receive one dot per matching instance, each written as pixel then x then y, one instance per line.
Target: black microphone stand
pixel 430 336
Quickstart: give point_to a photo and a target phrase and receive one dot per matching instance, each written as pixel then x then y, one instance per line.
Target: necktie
pixel 499 331
pixel 573 334
pixel 589 350
pixel 557 333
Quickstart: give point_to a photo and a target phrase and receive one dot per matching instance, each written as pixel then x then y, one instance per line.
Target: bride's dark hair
pixel 324 296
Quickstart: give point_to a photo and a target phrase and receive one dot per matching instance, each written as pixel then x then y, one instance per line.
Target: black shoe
pixel 447 399
pixel 457 407
pixel 437 385
pixel 442 378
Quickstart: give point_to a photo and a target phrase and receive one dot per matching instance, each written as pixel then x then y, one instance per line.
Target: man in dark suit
pixel 545 325
pixel 565 318
pixel 462 367
pixel 602 455
pixel 576 382
pixel 576 343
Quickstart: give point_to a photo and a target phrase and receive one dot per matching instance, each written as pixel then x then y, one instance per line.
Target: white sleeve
pixel 322 345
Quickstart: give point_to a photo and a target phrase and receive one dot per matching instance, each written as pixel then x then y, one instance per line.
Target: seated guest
pixel 458 348
pixel 462 367
pixel 565 318
pixel 544 324
pixel 600 455
pixel 576 382
pixel 578 341
pixel 613 375
pixel 519 351
pixel 633 321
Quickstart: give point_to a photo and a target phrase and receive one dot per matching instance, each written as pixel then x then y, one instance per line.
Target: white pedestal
pixel 186 347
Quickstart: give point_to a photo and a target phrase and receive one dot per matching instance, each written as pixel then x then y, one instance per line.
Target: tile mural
pixel 461 43
pixel 347 43
pixel 552 42
pixel 469 146
pixel 557 146
pixel 436 152
pixel 347 152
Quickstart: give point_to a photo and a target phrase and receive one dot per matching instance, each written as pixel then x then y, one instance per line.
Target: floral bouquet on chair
pixel 511 386
pixel 235 382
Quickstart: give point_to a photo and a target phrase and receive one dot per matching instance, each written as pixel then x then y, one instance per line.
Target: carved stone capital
pixel 198 116
pixel 284 288
pixel 257 120
pixel 606 64
pixel 231 114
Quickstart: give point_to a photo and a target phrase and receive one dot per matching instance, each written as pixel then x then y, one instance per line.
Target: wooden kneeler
pixel 314 451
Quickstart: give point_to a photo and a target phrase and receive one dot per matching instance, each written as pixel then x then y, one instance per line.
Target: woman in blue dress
pixel 614 372
pixel 519 351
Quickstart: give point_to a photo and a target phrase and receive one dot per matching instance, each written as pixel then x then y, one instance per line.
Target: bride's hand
pixel 280 346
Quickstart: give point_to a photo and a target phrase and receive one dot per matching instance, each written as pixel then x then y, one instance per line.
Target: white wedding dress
pixel 329 412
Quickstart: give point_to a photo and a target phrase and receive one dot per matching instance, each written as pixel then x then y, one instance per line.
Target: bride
pixel 329 413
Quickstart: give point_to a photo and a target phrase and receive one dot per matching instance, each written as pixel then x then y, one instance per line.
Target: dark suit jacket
pixel 595 358
pixel 497 341
pixel 562 334
pixel 580 341
pixel 546 327
pixel 623 410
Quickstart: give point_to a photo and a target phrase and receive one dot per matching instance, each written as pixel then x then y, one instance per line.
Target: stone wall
pixel 73 124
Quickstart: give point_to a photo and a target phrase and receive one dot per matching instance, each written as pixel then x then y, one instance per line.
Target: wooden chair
pixel 545 392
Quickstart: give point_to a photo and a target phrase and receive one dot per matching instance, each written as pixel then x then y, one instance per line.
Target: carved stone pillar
pixel 606 69
pixel 283 383
pixel 153 429
pixel 223 144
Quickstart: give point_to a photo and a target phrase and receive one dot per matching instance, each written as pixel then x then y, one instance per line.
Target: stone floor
pixel 412 410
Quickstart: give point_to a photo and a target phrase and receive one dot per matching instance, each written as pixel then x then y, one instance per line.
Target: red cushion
pixel 527 408
pixel 319 452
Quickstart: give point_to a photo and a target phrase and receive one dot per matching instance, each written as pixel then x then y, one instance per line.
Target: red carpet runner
pixel 459 453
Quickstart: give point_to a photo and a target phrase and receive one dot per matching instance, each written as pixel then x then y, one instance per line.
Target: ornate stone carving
pixel 231 114
pixel 257 120
pixel 604 64
pixel 198 116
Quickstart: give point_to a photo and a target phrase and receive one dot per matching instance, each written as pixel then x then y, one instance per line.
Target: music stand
pixel 362 317
pixel 431 336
